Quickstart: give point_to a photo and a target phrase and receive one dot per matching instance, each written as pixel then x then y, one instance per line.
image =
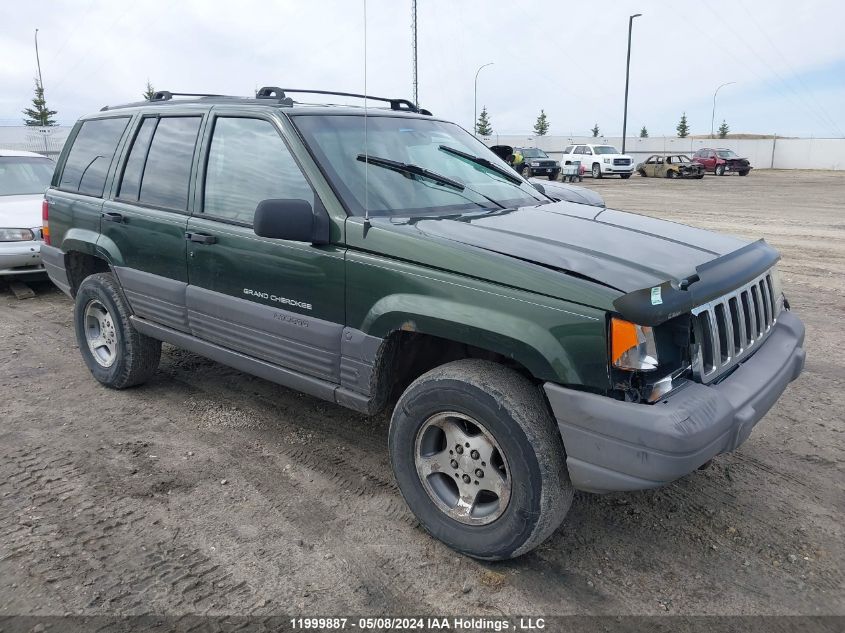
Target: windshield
pixel 726 153
pixel 605 149
pixel 533 152
pixel 681 159
pixel 21 175
pixel 337 140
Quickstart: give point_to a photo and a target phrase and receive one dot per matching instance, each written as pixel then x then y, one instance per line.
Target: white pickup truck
pixel 599 160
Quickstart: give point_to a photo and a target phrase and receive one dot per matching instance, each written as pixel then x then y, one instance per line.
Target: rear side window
pixel 167 170
pixel 248 162
pixel 130 185
pixel 88 161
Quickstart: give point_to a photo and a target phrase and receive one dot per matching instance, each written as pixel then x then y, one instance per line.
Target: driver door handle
pixel 200 238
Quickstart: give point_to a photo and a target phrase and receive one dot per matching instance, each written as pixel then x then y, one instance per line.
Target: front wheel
pixel 479 459
pixel 596 170
pixel 744 172
pixel 720 170
pixel 671 174
pixel 553 176
pixel 116 354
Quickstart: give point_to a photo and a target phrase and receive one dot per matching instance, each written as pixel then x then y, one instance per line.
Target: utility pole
pixel 414 33
pixel 713 116
pixel 38 61
pixel 627 73
pixel 475 101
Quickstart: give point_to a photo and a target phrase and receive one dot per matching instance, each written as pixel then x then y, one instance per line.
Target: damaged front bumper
pixel 614 446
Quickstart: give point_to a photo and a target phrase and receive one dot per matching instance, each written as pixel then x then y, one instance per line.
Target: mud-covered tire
pixel 135 356
pixel 596 170
pixel 517 416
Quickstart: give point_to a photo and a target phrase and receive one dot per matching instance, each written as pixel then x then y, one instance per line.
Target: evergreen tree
pixel 39 114
pixel 149 93
pixel 644 132
pixel 683 127
pixel 483 127
pixel 595 130
pixel 541 127
pixel 723 129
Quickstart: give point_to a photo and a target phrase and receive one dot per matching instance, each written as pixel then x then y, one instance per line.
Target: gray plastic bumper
pixel 54 263
pixel 613 445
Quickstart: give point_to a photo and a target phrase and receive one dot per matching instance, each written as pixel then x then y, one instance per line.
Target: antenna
pixel 414 34
pixel 366 151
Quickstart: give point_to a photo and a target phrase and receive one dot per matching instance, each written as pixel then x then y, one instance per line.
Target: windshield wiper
pixel 478 160
pixel 413 170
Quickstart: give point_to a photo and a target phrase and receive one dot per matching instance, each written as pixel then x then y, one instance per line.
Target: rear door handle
pixel 112 217
pixel 201 238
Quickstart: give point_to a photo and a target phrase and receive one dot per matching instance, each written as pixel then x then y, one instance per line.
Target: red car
pixel 721 161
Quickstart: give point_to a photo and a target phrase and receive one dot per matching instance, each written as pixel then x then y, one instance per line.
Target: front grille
pixel 547 163
pixel 621 161
pixel 728 329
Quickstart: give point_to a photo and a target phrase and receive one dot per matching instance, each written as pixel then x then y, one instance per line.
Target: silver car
pixel 24 176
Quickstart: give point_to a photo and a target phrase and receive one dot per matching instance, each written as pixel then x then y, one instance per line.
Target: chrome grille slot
pixel 729 328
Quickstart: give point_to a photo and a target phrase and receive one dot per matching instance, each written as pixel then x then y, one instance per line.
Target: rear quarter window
pixel 91 154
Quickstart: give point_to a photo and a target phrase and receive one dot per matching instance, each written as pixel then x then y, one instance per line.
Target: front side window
pixel 167 171
pixel 604 149
pixel 88 161
pixel 21 175
pixel 249 162
pixel 338 144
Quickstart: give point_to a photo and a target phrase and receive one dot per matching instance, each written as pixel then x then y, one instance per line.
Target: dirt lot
pixel 209 491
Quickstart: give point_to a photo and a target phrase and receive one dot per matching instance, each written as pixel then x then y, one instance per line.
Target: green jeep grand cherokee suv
pixel 383 257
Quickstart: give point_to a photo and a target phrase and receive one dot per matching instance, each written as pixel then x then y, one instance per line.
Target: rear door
pixel 277 300
pixel 145 222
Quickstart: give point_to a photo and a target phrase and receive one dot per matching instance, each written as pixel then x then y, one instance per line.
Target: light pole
pixel 627 73
pixel 475 100
pixel 713 116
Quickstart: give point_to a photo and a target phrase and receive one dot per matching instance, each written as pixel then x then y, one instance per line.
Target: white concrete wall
pixel 802 153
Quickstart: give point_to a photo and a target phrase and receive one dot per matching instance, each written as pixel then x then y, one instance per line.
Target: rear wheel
pixel 116 354
pixel 720 170
pixel 596 170
pixel 479 459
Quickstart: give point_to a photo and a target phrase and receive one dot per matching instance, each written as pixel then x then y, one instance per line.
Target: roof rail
pixel 273 92
pixel 166 95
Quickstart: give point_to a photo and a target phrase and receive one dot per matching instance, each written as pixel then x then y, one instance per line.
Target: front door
pixel 276 300
pixel 145 221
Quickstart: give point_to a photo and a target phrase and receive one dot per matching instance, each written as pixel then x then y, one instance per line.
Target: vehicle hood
pixel 569 193
pixel 624 251
pixel 21 212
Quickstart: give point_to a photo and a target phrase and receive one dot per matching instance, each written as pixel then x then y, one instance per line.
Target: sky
pixel 787 59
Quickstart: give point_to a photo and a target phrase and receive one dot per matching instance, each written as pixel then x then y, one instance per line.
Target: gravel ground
pixel 210 491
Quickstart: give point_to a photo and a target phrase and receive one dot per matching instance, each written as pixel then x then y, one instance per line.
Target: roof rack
pixel 273 92
pixel 166 95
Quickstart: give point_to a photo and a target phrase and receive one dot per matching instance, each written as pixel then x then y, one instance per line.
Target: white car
pixel 599 160
pixel 24 176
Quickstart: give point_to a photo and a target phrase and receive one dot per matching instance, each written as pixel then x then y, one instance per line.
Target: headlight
pixel 607 160
pixel 16 235
pixel 632 346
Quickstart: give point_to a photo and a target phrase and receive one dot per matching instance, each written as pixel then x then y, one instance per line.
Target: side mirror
pixel 292 220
